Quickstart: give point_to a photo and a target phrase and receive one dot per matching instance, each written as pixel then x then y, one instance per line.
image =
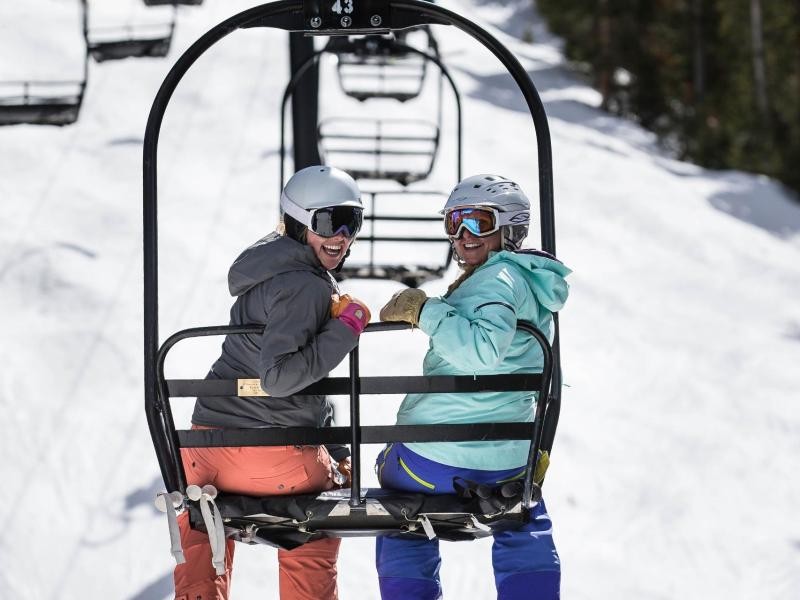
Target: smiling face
pixel 329 251
pixel 474 250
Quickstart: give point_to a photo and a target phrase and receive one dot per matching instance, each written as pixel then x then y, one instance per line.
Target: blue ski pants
pixel 525 561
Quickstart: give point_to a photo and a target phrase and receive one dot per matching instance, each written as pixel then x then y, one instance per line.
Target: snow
pixel 673 473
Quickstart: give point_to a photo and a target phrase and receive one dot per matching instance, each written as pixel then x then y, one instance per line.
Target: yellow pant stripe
pixel 422 482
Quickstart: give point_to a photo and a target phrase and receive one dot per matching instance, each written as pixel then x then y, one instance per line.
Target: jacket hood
pixel 270 256
pixel 544 273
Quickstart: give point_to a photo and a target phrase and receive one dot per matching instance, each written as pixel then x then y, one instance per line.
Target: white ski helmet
pixel 314 188
pixel 500 193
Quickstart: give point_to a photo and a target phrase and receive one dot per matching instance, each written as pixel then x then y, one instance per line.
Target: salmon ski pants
pixel 305 573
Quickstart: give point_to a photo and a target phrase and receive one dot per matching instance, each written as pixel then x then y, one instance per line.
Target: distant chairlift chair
pixel 173 2
pixel 44 102
pixel 399 150
pixel 380 66
pixel 289 521
pixel 131 41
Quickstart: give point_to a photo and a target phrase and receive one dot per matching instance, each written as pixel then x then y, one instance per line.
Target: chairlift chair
pixel 173 2
pixel 140 41
pixel 380 66
pixel 292 520
pixel 402 150
pixel 399 149
pixel 41 102
pixel 44 102
pixel 401 239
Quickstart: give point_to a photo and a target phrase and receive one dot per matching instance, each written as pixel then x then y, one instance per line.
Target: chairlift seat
pixel 290 521
pixel 41 108
pixel 379 67
pixel 402 150
pixel 155 47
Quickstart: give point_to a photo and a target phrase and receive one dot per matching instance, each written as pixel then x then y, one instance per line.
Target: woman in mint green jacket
pixel 472 331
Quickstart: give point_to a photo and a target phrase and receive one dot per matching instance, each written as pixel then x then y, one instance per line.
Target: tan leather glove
pixel 405 305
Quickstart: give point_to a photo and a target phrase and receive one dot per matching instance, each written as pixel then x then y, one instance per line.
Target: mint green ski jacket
pixel 473 331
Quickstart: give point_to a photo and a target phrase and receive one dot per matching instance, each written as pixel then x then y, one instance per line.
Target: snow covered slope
pixel 674 470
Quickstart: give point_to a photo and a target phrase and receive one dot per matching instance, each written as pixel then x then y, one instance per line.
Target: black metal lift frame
pixel 310 17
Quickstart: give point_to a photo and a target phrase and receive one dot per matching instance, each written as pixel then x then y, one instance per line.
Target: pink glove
pixel 355 315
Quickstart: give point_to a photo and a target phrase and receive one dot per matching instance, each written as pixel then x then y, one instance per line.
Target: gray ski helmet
pixel 497 192
pixel 315 187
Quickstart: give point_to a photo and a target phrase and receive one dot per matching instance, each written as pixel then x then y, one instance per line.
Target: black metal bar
pixel 355 430
pixel 297 74
pixel 554 405
pixel 305 105
pixel 371 434
pixel 541 407
pixel 383 137
pixel 395 384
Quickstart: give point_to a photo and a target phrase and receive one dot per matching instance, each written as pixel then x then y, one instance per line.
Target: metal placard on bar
pixel 346 16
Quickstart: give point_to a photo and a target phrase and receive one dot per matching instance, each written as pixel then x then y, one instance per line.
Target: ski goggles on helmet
pixel 479 221
pixel 329 221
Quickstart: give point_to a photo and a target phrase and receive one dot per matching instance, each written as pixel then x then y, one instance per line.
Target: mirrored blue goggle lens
pixel 479 222
pixel 329 222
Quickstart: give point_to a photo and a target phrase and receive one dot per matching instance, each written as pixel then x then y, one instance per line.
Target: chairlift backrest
pixel 368 512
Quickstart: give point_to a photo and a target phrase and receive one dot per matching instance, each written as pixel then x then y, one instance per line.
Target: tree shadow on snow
pixel 523 22
pixel 144 496
pixel 760 202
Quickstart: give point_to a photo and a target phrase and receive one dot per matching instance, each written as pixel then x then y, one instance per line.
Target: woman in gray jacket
pixel 283 281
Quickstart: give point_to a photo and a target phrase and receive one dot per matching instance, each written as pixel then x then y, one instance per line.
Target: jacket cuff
pixel 433 311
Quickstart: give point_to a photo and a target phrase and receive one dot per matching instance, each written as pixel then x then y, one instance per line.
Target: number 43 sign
pixel 342 7
pixel 361 15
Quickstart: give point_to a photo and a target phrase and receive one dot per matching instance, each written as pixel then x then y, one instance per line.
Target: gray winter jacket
pixel 278 282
